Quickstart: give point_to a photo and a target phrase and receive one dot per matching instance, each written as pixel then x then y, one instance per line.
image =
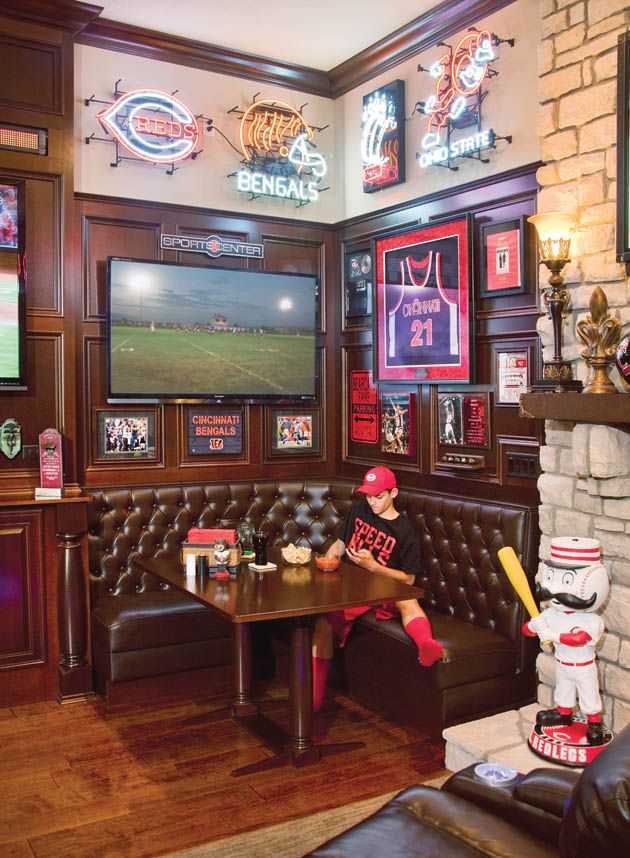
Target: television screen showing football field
pixel 181 331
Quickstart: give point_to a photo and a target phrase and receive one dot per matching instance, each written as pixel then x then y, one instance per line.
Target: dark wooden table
pixel 297 593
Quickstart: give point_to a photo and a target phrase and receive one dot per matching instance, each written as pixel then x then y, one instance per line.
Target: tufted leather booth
pixel 548 813
pixel 141 628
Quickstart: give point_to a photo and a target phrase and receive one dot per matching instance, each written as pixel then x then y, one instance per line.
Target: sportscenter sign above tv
pixel 213 245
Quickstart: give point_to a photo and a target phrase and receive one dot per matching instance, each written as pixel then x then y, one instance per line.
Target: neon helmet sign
pixel 279 161
pixel 152 125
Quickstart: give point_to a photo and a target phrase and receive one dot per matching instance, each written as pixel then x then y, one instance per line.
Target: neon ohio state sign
pixel 152 125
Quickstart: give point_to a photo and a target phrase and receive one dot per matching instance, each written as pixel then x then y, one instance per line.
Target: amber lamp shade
pixel 554 241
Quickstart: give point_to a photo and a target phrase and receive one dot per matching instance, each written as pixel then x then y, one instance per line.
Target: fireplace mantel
pixel 610 409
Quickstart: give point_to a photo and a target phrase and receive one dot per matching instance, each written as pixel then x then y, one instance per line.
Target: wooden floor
pixel 85 780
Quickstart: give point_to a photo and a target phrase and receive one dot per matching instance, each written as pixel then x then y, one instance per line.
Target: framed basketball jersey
pixel 422 324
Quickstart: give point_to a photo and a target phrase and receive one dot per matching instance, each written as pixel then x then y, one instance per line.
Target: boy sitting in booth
pixel 375 536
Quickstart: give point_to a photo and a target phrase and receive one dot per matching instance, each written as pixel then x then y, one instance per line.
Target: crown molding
pixel 426 31
pixel 69 15
pixel 82 19
pixel 123 38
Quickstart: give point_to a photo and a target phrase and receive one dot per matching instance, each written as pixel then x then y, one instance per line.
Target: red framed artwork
pixel 503 258
pixel 422 322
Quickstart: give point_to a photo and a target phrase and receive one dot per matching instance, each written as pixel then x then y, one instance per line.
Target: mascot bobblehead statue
pixel 573 585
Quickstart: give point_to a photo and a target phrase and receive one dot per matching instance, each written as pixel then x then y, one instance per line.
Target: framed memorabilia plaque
pixel 512 376
pixel 383 137
pixel 358 284
pixel 503 258
pixel 423 303
pixel 215 431
pixel 464 419
pixel 128 435
pixel 397 422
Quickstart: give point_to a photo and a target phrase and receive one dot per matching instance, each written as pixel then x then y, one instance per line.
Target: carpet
pixel 294 838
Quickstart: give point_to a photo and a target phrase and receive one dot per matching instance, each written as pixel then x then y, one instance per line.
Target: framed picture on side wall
pixel 398 423
pixel 358 284
pixel 423 303
pixel 503 258
pixel 623 149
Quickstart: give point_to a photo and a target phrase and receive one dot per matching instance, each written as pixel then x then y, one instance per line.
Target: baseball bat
pixel 518 579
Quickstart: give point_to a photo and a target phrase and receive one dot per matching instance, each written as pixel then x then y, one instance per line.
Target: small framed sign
pixel 294 431
pixel 503 258
pixel 215 431
pixel 512 375
pixel 126 435
pixel 358 284
pixel 397 422
pixel 464 419
pixel 383 137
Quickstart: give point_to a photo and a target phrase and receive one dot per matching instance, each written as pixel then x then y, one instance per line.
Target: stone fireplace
pixel 585 461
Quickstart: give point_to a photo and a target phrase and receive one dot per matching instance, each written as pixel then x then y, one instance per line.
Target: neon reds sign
pixel 152 125
pixel 456 101
pixel 278 153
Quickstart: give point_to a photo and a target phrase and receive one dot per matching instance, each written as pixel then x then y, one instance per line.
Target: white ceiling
pixel 318 34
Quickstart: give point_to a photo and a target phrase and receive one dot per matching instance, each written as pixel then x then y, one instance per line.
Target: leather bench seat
pixel 142 628
pixel 156 619
pixel 471 653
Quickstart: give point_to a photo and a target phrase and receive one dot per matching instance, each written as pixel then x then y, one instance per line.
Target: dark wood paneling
pixel 40 88
pixel 103 237
pixel 22 630
pixel 71 15
pixel 498 320
pixel 111 227
pixel 43 224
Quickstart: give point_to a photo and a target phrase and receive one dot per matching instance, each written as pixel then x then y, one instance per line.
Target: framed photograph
pixel 464 419
pixel 423 303
pixel 127 435
pixel 9 217
pixel 397 422
pixel 383 137
pixel 358 284
pixel 294 431
pixel 503 258
pixel 512 376
pixel 623 149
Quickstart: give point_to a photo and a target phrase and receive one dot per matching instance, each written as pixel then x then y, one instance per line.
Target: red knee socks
pixel 320 676
pixel 429 650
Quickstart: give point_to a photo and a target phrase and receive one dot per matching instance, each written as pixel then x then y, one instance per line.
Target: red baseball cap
pixel 377 480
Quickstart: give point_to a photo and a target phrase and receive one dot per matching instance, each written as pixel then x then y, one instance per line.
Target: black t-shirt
pixel 394 543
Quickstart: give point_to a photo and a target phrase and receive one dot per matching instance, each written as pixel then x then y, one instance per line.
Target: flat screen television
pixel 12 286
pixel 208 334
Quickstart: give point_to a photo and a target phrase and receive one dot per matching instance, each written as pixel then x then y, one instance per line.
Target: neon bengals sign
pixel 276 144
pixel 152 125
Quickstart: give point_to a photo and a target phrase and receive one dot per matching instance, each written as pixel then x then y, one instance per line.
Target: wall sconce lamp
pixel 554 241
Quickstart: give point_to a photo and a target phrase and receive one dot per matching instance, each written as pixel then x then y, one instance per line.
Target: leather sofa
pixel 141 628
pixel 549 813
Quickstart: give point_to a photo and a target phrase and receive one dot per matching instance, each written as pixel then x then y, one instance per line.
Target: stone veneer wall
pixel 585 484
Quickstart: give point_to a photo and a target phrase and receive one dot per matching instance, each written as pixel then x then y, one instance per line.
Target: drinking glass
pixel 260 548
